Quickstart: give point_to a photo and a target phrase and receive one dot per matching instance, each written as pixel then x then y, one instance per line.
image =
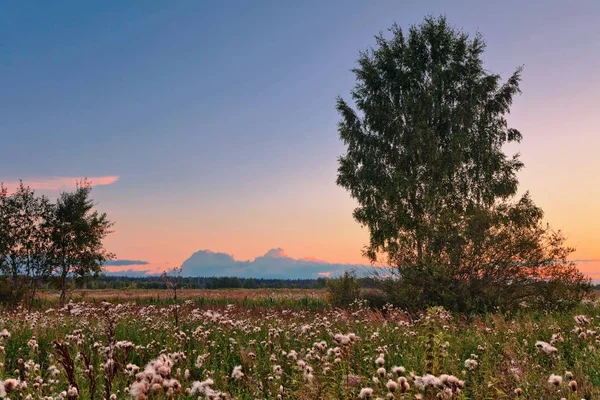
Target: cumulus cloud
pixel 275 263
pixel 123 263
pixel 275 253
pixel 58 182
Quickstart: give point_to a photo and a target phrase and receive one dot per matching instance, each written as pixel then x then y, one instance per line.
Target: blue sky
pixel 219 120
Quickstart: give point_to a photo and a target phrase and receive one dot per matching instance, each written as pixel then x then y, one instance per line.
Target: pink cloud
pixel 325 274
pixel 59 182
pixel 276 253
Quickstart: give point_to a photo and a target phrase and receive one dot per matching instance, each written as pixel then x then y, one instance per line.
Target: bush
pixel 376 298
pixel 342 291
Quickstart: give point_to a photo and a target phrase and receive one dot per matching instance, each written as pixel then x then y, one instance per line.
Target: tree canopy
pixel 42 242
pixel 78 231
pixel 424 159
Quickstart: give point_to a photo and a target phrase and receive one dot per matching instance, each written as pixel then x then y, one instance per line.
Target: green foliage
pixel 24 241
pixel 375 298
pixel 42 242
pixel 343 291
pixel 77 234
pixel 425 162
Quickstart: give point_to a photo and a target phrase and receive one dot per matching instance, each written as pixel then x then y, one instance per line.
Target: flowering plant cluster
pixel 130 351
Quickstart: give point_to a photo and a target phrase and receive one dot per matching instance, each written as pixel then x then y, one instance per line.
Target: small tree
pixel 77 234
pixel 172 281
pixel 4 245
pixel 425 162
pixel 344 290
pixel 24 241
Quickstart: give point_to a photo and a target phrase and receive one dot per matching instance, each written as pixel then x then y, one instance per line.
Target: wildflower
pixel 380 361
pixel 427 381
pixel 518 392
pixel 556 337
pixel 320 345
pixel 341 339
pixel 131 369
pixel 404 385
pixel 569 375
pixel 277 370
pixel 398 370
pixel 237 372
pixel 381 371
pixel 4 334
pixel 471 364
pixel 308 372
pixel 200 360
pixel 573 386
pixel 451 381
pixel 546 347
pixel 53 370
pixel 200 387
pixel 72 392
pixel 391 385
pixel 365 393
pixel 10 385
pixel 555 379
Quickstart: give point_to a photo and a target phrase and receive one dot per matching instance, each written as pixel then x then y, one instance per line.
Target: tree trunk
pixel 33 292
pixel 63 288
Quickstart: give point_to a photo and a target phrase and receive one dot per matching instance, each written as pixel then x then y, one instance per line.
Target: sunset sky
pixel 211 125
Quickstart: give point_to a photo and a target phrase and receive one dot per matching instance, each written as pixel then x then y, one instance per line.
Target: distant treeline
pixel 156 282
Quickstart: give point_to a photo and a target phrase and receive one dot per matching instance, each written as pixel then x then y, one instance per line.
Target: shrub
pixel 342 291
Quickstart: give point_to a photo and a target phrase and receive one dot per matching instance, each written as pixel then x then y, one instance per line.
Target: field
pixel 214 296
pixel 288 344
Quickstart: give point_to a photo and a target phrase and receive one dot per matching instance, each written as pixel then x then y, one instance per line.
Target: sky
pixel 212 125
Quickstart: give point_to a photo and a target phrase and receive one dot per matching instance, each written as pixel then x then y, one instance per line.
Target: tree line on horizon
pixel 49 243
pixel 221 282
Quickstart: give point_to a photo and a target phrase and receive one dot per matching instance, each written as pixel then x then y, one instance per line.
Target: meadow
pixel 289 344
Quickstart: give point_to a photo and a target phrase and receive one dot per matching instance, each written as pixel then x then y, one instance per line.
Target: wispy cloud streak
pixel 124 263
pixel 54 183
